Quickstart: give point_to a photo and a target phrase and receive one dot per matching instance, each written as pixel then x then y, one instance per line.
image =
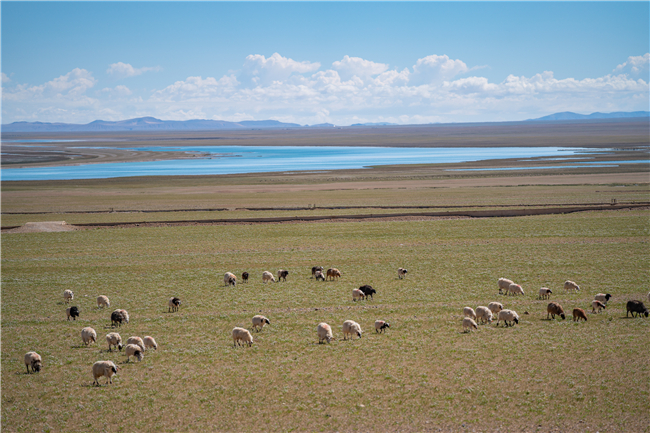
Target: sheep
pixel 133 350
pixel 636 307
pixel 469 312
pixel 33 360
pixel 597 305
pixel 333 273
pixel 468 324
pixel 267 276
pixel 259 322
pixel 368 291
pixel 484 314
pixel 401 273
pixel 150 343
pixel 602 297
pixel 282 275
pixel 554 309
pixel 102 301
pixel 351 327
pixel 72 312
pixel 503 284
pixel 509 317
pixel 244 277
pixel 495 307
pixel 68 296
pixel 324 333
pixel 241 336
pixel 114 339
pixel 579 313
pixel 119 316
pixel 173 303
pixel 515 289
pixel 137 341
pixel 570 285
pixel 357 295
pixel 315 269
pixel 319 275
pixel 229 279
pixel 545 293
pixel 381 325
pixel 104 368
pixel 88 335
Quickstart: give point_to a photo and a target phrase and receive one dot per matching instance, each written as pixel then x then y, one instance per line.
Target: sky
pixel 322 62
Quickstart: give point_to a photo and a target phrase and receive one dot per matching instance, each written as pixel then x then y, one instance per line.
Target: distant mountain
pixel 375 124
pixel 321 125
pixel 145 124
pixel 568 115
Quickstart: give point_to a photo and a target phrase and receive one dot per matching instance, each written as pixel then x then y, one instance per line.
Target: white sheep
pixel 104 368
pixel 88 335
pixel 103 301
pixel 570 285
pixel 515 289
pixel 358 295
pixel 324 333
pixel 137 341
pixel 33 360
pixel 259 322
pixel 602 297
pixel 503 284
pixel 509 317
pixel 469 312
pixel 267 276
pixel 133 350
pixel 468 324
pixel 351 327
pixel 401 273
pixel 68 296
pixel 229 279
pixel 484 314
pixel 241 336
pixel 545 293
pixel 125 314
pixel 495 307
pixel 150 343
pixel 597 305
pixel 381 325
pixel 114 339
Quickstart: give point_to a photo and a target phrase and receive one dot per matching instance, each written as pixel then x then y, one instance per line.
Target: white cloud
pixel 194 88
pixel 349 67
pixel 435 69
pixel 124 70
pixel 263 71
pixel 118 91
pixel 635 65
pixel 5 78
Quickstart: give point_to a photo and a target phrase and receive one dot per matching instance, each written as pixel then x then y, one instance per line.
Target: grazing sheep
pixel 368 291
pixel 229 279
pixel 597 305
pixel 104 368
pixel 241 336
pixel 401 273
pixel 545 293
pixel 72 312
pixel 173 303
pixel 117 317
pixel 244 277
pixel 515 289
pixel 509 317
pixel 380 326
pixel 137 341
pixel 469 312
pixel 495 307
pixel 579 313
pixel 33 360
pixel 267 276
pixel 68 296
pixel 636 307
pixel 150 343
pixel 319 275
pixel 88 335
pixel 324 333
pixel 135 351
pixel 503 284
pixel 570 285
pixel 102 301
pixel 333 273
pixel 282 275
pixel 468 324
pixel 483 314
pixel 114 339
pixel 260 321
pixel 315 269
pixel 554 309
pixel 351 327
pixel 357 295
pixel 602 297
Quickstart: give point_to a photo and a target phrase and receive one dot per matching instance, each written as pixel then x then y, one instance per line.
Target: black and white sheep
pixel 133 350
pixel 229 279
pixel 282 275
pixel 358 295
pixel 509 317
pixel 259 321
pixel 596 306
pixel 351 327
pixel 173 304
pixel 315 269
pixel 401 273
pixel 72 312
pixel 381 325
pixel 602 297
pixel 104 368
pixel 114 339
pixel 545 293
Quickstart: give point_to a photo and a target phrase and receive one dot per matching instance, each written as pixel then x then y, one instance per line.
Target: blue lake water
pixel 258 159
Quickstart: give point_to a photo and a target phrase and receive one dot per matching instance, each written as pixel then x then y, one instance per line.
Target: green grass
pixel 423 374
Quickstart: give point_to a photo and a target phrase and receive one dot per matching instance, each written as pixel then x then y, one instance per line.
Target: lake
pixel 259 159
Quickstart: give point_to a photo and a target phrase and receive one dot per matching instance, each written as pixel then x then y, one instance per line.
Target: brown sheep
pixel 333 273
pixel 579 313
pixel 554 309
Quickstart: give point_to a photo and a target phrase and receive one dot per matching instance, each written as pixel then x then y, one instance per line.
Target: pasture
pixel 423 374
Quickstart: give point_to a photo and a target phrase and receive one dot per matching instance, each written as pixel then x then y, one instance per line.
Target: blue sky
pixel 322 62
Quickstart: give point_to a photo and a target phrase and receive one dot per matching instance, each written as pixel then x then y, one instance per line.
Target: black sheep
pixel 117 318
pixel 367 290
pixel 73 312
pixel 282 275
pixel 244 277
pixel 636 307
